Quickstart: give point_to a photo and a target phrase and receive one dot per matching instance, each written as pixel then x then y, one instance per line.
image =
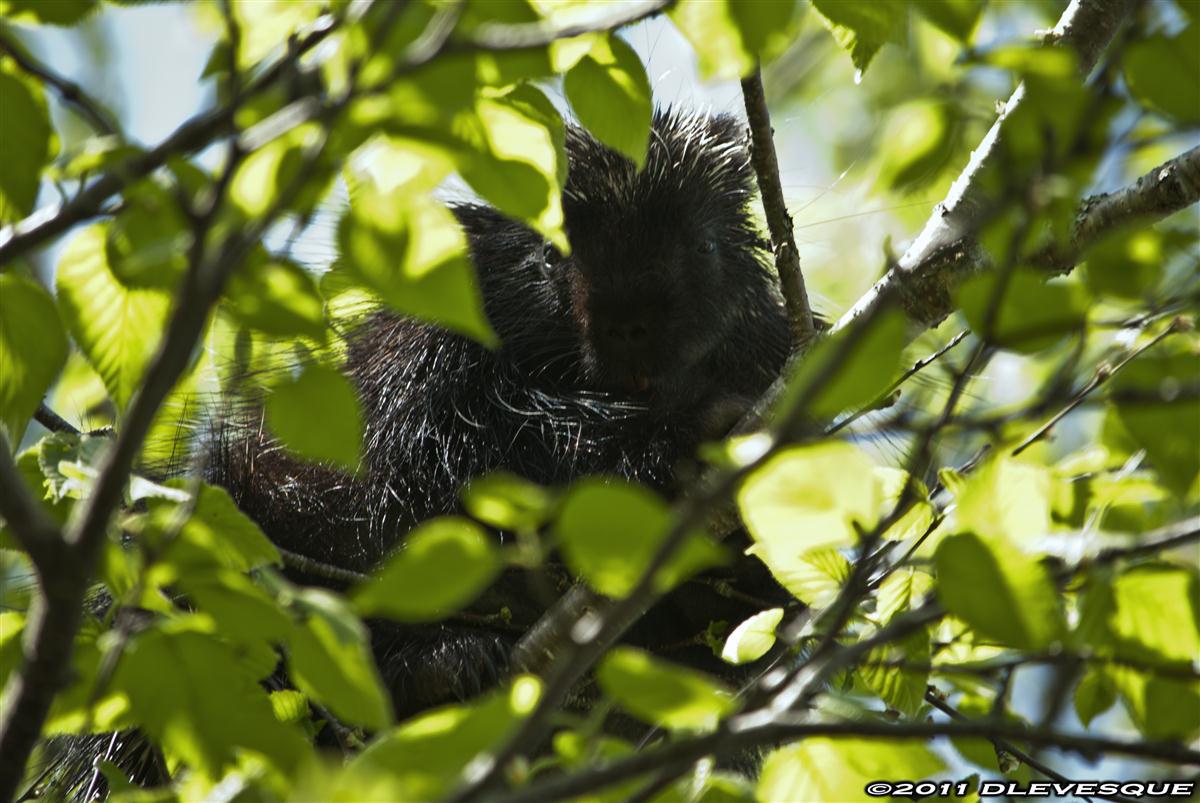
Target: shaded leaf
pixel 318 416
pixel 33 349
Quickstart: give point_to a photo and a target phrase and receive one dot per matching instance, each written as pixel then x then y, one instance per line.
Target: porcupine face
pixel 660 255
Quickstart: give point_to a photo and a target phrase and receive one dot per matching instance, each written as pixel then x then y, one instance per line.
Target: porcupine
pixel 620 358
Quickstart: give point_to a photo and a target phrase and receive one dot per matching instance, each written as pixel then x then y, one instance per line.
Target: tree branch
pixel 945 250
pixel 193 135
pixel 733 739
pixel 779 222
pixel 71 93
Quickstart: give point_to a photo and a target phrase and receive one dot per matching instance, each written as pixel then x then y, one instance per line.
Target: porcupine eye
pixel 550 258
pixel 706 246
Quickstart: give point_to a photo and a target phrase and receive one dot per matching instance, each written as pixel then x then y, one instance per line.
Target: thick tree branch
pixel 779 222
pixel 1168 188
pixel 945 250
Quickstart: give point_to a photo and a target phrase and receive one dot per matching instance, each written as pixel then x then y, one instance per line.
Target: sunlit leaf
pixel 277 297
pixel 425 755
pixel 848 370
pixel 25 141
pixel 1163 72
pixel 731 37
pixel 808 497
pixel 819 768
pixel 861 27
pixel 660 693
pixel 321 395
pixel 899 672
pixel 750 640
pixel 188 691
pixel 33 349
pixel 1020 607
pixel 117 327
pixel 1094 695
pixel 956 17
pixel 1028 315
pixel 1005 498
pixel 413 254
pixel 330 660
pixel 902 590
pixel 609 533
pixel 442 566
pixel 610 95
pixel 507 501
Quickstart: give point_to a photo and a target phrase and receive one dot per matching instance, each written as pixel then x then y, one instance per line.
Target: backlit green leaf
pixel 662 694
pixel 610 95
pixel 1163 72
pixel 731 36
pixel 277 297
pixel 25 141
pixel 48 12
pixel 188 691
pixel 330 660
pixel 425 756
pixel 317 415
pixel 750 640
pixel 861 27
pixel 837 770
pixel 1028 316
pixel 413 254
pixel 33 349
pixel 808 497
pixel 441 566
pixel 117 327
pixel 610 531
pixel 1020 608
pixel 507 501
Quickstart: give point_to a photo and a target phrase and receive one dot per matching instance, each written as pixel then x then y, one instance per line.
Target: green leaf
pixel 610 531
pixel 518 162
pixel 507 502
pixel 808 497
pixel 1006 498
pixel 25 141
pixel 956 17
pixel 69 464
pixel 838 770
pixel 330 660
pixel 442 566
pixel 147 242
pixel 33 349
pixel 814 577
pixel 1157 405
pixel 861 27
pixel 730 36
pixel 917 143
pixel 117 327
pixel 277 297
pixel 663 694
pixel 317 415
pixel 902 590
pixel 886 672
pixel 47 12
pixel 610 95
pixel 999 591
pixel 1157 618
pixel 243 611
pixel 189 692
pixel 268 176
pixel 412 252
pixel 425 756
pixel 1163 73
pixel 216 532
pixel 1126 263
pixel 849 370
pixel 750 640
pixel 1030 315
pixel 1094 695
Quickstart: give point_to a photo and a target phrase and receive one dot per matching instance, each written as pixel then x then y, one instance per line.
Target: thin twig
pixel 71 93
pixel 53 421
pixel 1102 374
pixel 779 222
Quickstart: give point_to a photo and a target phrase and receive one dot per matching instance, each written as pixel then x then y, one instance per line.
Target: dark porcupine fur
pixel 619 359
